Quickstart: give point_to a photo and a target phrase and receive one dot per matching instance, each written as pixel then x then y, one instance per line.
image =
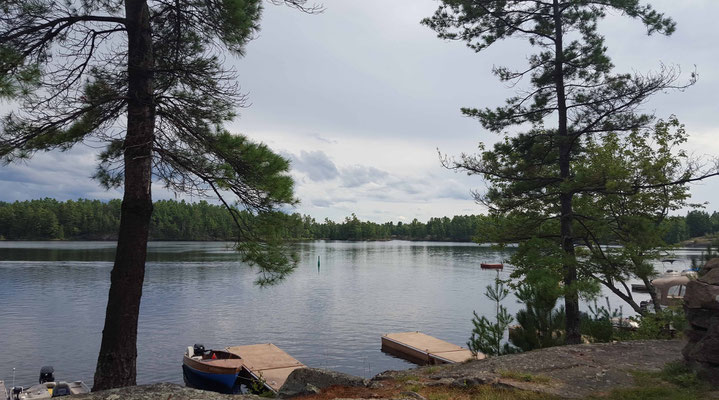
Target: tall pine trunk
pixel 116 363
pixel 571 297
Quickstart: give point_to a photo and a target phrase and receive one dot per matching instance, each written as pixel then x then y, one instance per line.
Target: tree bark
pixel 571 297
pixel 625 297
pixel 116 363
pixel 656 298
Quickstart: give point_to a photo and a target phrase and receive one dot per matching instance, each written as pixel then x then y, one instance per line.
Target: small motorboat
pixel 672 286
pixel 491 265
pixel 48 387
pixel 215 370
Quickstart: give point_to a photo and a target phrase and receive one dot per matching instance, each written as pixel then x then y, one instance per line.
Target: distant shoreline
pixel 233 240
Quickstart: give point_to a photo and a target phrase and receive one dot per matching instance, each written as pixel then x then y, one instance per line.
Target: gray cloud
pixel 322 203
pixel 324 139
pixel 61 175
pixel 315 164
pixel 318 167
pixel 454 190
pixel 358 175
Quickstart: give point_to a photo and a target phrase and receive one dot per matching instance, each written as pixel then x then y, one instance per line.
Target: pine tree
pixel 486 335
pixel 572 86
pixel 146 78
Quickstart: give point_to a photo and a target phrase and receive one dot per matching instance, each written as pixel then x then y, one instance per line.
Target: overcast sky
pixel 360 98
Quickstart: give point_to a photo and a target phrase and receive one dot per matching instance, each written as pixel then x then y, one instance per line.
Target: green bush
pixel 665 325
pixel 487 336
pixel 540 324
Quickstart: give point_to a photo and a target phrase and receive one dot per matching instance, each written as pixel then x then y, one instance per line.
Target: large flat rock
pixel 160 391
pixel 573 371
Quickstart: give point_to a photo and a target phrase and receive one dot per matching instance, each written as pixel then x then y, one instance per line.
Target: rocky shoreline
pixel 565 371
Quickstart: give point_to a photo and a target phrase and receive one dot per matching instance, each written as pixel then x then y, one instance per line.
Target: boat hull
pixel 491 266
pixel 213 381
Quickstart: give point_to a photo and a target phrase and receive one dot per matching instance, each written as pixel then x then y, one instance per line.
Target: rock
pixel 695 335
pixel 385 375
pixel 413 395
pixel 688 350
pixel 474 381
pixel 159 391
pixel 439 382
pixel 701 295
pixel 374 385
pixel 312 388
pixel 711 277
pixel 711 264
pixel 709 373
pixel 309 380
pixel 706 350
pixel 701 317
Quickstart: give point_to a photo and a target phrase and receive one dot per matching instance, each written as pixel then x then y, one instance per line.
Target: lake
pixel 53 297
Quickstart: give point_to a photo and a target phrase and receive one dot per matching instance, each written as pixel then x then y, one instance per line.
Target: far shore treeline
pixel 49 219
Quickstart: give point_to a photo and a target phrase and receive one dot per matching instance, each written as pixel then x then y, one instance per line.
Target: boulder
pixel 711 264
pixel 310 380
pixel 706 350
pixel 709 373
pixel 701 318
pixel 159 391
pixel 711 277
pixel 701 295
pixel 694 335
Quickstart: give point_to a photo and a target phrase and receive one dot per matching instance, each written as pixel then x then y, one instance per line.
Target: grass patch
pixel 681 375
pixel 524 377
pixel 406 377
pixel 674 382
pixel 481 392
pixel 430 370
pixel 413 388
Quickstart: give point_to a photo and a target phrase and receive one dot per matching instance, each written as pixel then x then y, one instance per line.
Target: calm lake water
pixel 53 297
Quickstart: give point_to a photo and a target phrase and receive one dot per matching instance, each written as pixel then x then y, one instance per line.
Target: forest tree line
pixel 49 219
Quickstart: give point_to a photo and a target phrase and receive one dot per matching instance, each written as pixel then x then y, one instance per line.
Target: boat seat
pixel 61 389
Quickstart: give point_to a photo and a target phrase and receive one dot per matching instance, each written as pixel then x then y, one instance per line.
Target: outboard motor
pixel 199 349
pixel 46 374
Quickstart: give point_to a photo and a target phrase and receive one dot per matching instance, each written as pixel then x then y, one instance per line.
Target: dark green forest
pixel 82 219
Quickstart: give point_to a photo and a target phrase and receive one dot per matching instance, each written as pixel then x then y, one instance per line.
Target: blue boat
pixel 214 370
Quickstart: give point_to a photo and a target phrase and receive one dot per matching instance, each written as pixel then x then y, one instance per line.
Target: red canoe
pixel 491 266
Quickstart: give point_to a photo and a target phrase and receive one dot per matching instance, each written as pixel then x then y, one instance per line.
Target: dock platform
pixel 266 363
pixel 423 349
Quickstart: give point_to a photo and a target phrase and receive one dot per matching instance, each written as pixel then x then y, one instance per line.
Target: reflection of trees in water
pixel 56 254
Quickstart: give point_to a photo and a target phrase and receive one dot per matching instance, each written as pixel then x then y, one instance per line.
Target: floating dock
pixel 423 349
pixel 266 363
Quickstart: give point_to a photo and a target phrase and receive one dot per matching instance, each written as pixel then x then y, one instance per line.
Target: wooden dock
pixel 266 363
pixel 423 349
